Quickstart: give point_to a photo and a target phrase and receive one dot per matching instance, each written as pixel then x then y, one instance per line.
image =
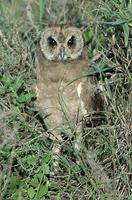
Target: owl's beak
pixel 62 52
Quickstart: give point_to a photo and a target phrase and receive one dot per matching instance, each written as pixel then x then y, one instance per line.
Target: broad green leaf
pixel 31 192
pixel 46 158
pixel 43 190
pixel 88 35
pixel 31 160
pixel 126 33
pixel 7 80
pixel 17 84
pixel 25 98
pixel 14 181
pixel 34 182
pixel 45 168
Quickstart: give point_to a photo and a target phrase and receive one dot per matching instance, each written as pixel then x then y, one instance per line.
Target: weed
pixel 25 148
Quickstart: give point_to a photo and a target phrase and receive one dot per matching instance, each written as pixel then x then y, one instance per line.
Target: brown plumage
pixel 55 88
pixel 63 93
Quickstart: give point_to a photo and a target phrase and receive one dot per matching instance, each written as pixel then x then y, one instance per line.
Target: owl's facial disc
pixel 62 43
pixel 74 43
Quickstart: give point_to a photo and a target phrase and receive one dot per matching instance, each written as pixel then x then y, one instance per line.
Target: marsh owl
pixel 63 92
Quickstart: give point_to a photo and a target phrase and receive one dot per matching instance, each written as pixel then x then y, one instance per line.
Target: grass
pixel 25 149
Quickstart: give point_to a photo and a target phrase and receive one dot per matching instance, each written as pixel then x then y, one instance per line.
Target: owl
pixel 64 93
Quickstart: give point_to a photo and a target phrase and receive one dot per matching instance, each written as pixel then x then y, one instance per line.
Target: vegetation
pixel 25 149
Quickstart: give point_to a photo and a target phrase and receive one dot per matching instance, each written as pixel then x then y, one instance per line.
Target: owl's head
pixel 61 43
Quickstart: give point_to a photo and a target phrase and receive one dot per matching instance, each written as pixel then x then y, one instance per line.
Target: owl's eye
pixel 72 42
pixel 51 42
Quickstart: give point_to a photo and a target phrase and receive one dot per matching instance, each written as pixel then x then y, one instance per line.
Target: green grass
pixel 25 149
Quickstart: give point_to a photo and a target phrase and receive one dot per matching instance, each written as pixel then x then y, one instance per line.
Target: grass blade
pixel 126 33
pixel 41 8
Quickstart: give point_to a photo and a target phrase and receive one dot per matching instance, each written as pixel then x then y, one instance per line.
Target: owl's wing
pixel 91 100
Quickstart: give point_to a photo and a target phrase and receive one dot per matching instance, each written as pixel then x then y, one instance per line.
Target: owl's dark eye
pixel 51 42
pixel 72 42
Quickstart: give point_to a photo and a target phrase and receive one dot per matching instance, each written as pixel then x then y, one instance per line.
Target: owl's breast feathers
pixel 57 82
pixel 54 72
